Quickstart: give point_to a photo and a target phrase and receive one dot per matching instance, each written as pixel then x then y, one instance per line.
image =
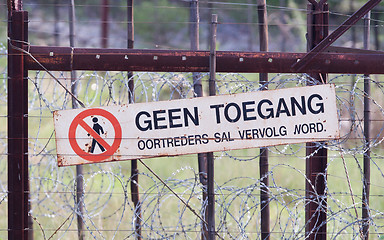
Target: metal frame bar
pixel 18 179
pixel 61 59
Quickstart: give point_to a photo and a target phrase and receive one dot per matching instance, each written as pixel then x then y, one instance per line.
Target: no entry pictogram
pixel 108 150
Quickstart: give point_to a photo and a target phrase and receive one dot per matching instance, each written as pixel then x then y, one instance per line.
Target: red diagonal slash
pixel 110 150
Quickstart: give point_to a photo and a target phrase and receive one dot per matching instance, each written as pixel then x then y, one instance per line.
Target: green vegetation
pixel 159 24
pixel 107 196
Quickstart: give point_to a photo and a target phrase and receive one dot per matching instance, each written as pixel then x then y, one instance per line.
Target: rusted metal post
pixel 72 17
pixel 157 32
pixel 210 157
pixel 14 5
pixel 18 181
pixel 263 24
pixel 250 25
pixel 353 29
pixel 79 208
pixel 135 196
pixel 367 150
pixel 131 26
pixel 104 23
pixel 354 41
pixel 194 19
pixel 283 4
pixel 56 15
pixel 316 163
pixel 263 163
pixel 212 56
pixel 208 15
pixel 376 30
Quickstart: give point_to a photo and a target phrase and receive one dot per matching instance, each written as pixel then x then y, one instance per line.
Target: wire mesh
pixel 108 209
pixel 109 212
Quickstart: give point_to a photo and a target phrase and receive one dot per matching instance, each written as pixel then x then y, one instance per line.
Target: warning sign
pixel 96 132
pixel 218 123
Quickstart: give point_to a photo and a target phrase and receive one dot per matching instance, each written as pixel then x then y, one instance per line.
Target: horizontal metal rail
pixel 68 59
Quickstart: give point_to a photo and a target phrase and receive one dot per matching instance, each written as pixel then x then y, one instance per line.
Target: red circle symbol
pixel 109 149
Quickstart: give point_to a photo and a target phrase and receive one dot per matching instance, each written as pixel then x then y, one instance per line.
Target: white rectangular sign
pixel 206 124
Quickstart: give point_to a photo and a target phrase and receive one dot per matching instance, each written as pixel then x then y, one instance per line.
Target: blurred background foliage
pixel 164 24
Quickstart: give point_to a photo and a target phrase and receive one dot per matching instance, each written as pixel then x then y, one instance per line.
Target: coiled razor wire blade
pixel 108 210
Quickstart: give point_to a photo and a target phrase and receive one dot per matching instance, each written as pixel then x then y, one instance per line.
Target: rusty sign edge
pixel 164 103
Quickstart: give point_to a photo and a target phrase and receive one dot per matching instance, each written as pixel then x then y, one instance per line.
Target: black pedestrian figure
pixel 98 129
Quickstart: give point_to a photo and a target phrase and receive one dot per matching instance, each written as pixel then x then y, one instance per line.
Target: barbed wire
pixel 108 210
pixel 109 213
